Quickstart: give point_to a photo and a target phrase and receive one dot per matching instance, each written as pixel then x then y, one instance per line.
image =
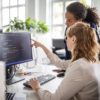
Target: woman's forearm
pixel 45 49
pixel 55 59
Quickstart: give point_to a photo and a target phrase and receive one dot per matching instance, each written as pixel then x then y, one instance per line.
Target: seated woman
pixel 79 82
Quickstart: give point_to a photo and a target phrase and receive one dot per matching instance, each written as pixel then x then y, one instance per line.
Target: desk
pixel 38 70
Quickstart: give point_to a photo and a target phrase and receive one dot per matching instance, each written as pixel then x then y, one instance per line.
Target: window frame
pixel 9 7
pixel 63 24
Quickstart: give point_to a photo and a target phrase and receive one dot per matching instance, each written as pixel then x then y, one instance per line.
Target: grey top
pixel 79 82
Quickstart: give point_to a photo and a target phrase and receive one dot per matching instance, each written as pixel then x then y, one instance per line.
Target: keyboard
pixel 10 96
pixel 42 79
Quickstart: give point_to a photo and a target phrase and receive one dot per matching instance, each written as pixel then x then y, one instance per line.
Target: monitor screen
pixel 15 48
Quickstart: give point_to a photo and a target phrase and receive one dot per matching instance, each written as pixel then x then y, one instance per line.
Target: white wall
pixel 38 9
pixel 32 8
pixel 42 10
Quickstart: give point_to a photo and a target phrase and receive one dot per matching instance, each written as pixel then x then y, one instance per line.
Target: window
pixel 13 2
pixel 5 15
pixel 11 9
pixel 13 13
pixel 21 15
pixel 5 3
pixel 86 2
pixel 58 20
pixel 57 13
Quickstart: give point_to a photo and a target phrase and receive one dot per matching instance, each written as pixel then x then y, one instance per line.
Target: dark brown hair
pixel 81 12
pixel 86 44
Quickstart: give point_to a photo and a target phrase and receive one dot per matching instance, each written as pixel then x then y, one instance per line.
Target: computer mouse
pixel 61 74
pixel 58 70
pixel 27 85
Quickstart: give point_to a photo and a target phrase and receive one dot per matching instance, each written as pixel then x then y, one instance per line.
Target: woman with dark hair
pixel 79 82
pixel 82 13
pixel 78 12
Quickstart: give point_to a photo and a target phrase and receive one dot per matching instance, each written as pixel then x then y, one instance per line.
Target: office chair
pixel 59 48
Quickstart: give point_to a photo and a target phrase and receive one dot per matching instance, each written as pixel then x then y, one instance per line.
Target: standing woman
pixel 79 82
pixel 78 12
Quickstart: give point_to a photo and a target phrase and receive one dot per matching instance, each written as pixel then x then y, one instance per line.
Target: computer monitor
pixel 15 48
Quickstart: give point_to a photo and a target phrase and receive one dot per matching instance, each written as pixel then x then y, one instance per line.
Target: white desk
pixel 38 70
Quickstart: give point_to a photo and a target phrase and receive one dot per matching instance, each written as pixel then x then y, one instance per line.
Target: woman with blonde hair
pixel 79 82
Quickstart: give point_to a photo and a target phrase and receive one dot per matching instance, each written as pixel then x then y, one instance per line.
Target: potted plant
pixel 28 25
pixel 15 25
pixel 41 27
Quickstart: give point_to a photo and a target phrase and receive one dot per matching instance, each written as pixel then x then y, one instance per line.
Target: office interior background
pixel 49 11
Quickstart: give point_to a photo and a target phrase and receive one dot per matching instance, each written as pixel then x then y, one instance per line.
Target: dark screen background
pixel 15 48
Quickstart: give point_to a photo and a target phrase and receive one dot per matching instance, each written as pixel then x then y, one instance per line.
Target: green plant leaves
pixel 29 25
pixel 42 27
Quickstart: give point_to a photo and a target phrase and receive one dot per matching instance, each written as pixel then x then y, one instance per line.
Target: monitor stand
pixel 14 80
pixel 10 75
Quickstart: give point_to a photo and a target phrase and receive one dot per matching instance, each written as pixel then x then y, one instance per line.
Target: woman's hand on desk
pixel 34 83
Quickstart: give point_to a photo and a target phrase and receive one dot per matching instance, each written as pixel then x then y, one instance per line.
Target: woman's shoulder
pixel 83 68
pixel 81 64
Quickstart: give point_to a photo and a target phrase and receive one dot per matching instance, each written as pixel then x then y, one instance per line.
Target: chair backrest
pixel 1 31
pixel 58 43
